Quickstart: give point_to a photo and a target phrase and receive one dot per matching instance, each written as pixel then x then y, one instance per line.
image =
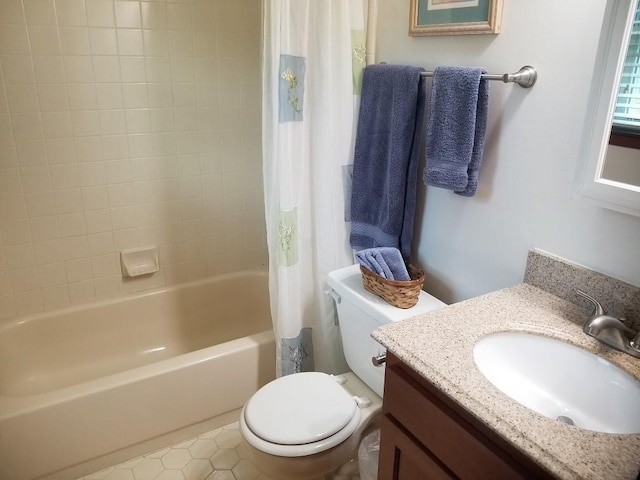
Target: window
pixel 621 194
pixel 625 130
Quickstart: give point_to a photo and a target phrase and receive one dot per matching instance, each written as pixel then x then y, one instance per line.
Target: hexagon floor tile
pixel 215 455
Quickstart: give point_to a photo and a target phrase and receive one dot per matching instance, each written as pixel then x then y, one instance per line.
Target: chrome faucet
pixel 610 330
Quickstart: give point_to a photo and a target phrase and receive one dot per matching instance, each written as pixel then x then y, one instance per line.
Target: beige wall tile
pixel 52 274
pixel 53 97
pixel 74 40
pixel 11 12
pixel 28 302
pixel 103 41
pixel 56 124
pixel 31 153
pixel 39 12
pixel 60 150
pixel 44 40
pixel 100 13
pixel 44 228
pixel 154 15
pixel 71 12
pixel 20 256
pixel 17 69
pixel 55 297
pixel 124 123
pixel 13 40
pixel 127 14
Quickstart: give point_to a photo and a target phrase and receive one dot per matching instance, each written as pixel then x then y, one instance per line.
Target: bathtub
pixel 87 387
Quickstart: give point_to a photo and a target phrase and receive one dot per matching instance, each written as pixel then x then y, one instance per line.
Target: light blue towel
pixel 456 129
pixel 384 261
pixel 385 164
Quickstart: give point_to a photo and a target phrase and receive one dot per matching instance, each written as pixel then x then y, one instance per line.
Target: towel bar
pixel 525 77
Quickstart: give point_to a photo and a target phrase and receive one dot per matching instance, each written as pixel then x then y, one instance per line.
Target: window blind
pixel 627 110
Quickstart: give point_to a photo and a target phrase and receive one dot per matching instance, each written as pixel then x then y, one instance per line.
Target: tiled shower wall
pixel 126 124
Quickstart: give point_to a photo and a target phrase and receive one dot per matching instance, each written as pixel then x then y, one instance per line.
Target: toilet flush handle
pixel 336 299
pixel 379 360
pixel 333 294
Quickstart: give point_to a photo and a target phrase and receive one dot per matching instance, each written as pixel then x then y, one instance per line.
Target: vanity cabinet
pixel 426 435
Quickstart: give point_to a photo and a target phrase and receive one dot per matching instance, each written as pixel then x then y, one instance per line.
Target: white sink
pixel 561 381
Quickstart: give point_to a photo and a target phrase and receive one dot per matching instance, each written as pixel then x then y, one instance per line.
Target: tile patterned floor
pixel 216 455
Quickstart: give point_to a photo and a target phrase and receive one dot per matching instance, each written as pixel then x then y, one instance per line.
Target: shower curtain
pixel 313 56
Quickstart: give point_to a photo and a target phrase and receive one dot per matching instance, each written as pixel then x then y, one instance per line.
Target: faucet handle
pixel 598 308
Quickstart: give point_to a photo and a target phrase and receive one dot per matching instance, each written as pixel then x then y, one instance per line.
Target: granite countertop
pixel 439 346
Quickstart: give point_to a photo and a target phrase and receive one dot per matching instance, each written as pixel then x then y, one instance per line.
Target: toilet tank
pixel 359 314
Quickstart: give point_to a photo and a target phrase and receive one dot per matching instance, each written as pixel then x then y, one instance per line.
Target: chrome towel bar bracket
pixel 526 77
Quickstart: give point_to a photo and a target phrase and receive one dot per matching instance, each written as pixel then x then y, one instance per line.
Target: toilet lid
pixel 298 409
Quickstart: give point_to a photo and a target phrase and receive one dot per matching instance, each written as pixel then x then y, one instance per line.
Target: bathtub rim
pixel 11 406
pixel 18 405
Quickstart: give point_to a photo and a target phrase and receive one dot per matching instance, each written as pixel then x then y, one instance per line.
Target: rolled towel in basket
pixel 384 261
pixel 379 267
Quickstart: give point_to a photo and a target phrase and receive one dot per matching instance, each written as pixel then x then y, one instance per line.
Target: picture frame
pixel 455 17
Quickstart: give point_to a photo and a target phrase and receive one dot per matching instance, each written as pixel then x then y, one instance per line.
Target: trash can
pixel 368 454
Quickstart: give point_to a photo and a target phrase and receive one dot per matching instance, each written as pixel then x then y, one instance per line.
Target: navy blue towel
pixel 385 164
pixel 456 129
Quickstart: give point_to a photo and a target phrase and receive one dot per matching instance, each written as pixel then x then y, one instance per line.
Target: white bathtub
pixel 83 388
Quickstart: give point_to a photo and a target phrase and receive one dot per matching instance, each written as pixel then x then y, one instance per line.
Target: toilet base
pixel 319 464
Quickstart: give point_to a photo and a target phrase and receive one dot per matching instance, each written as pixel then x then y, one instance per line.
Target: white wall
pixel 527 196
pixel 124 124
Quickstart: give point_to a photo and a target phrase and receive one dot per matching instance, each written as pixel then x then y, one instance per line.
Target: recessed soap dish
pixel 139 261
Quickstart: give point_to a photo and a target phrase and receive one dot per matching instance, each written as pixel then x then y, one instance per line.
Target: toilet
pixel 309 424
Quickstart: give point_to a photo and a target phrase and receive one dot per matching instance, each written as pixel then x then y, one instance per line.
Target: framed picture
pixel 455 17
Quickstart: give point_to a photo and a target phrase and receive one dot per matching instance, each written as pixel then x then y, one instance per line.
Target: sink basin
pixel 561 381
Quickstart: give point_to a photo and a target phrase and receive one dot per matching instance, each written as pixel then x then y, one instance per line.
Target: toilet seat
pixel 299 415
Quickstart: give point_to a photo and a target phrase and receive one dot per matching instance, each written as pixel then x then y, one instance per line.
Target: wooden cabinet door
pixel 426 435
pixel 402 458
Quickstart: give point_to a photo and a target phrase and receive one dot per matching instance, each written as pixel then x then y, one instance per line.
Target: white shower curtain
pixel 313 56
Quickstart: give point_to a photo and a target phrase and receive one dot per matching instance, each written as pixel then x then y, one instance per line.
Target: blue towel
pixel 385 164
pixel 377 265
pixel 385 261
pixel 456 128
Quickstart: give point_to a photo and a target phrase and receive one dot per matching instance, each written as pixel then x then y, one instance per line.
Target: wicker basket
pixel 401 294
